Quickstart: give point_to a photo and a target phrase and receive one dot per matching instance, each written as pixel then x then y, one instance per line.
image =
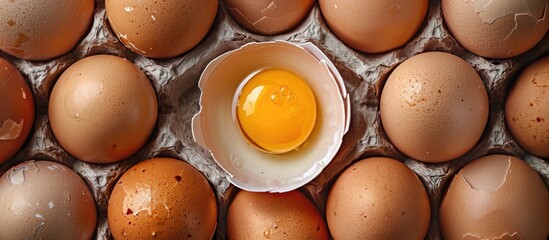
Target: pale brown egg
pixel 527 108
pixel 262 215
pixel 497 29
pixel 40 30
pixel 161 29
pixel 496 197
pixel 378 198
pixel 434 107
pixel 16 110
pixel 45 200
pixel 162 198
pixel 269 17
pixel 102 109
pixel 374 26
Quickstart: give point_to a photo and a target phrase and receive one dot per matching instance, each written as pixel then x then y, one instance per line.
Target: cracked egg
pixel 273 114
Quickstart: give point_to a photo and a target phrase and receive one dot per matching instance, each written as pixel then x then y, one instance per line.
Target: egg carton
pixel 175 82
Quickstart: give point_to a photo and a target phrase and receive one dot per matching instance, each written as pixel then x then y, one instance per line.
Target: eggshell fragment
pixel 497 29
pixel 434 107
pixel 269 17
pixel 378 198
pixel 527 108
pixel 289 215
pixel 45 200
pixel 496 197
pixel 40 30
pixel 162 198
pixel 16 110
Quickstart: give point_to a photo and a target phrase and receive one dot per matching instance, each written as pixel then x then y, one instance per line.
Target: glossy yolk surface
pixel 276 110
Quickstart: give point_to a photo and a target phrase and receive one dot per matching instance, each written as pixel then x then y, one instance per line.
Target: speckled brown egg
pixel 161 29
pixel 40 30
pixel 496 197
pixel 102 109
pixel 16 110
pixel 162 198
pixel 434 107
pixel 45 200
pixel 497 29
pixel 269 17
pixel 261 215
pixel 378 198
pixel 527 108
pixel 374 26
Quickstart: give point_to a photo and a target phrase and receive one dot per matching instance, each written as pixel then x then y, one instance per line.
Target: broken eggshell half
pixel 215 126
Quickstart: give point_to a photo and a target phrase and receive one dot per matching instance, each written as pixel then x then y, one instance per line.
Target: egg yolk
pixel 276 110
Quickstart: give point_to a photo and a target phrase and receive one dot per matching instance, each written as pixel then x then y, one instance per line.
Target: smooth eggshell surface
pixel 496 197
pixel 269 17
pixel 16 110
pixel 374 26
pixel 260 215
pixel 40 30
pixel 161 29
pixel 497 29
pixel 434 107
pixel 162 198
pixel 527 108
pixel 102 109
pixel 45 200
pixel 378 198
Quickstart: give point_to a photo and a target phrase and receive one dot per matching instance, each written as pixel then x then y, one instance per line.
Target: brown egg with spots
pixel 262 215
pixel 162 198
pixel 495 197
pixel 16 110
pixel 40 30
pixel 434 107
pixel 527 108
pixel 269 17
pixel 45 200
pixel 378 198
pixel 102 109
pixel 161 29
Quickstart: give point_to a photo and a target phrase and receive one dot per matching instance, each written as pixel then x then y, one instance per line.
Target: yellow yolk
pixel 276 110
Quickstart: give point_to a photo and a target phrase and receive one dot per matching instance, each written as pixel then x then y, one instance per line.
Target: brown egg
pixel 16 110
pixel 102 109
pixel 527 108
pixel 496 197
pixel 497 29
pixel 434 107
pixel 40 30
pixel 261 215
pixel 269 17
pixel 378 198
pixel 162 198
pixel 161 29
pixel 45 200
pixel 374 26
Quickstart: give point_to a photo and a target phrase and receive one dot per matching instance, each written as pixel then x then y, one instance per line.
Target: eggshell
pixel 269 17
pixel 496 197
pixel 215 128
pixel 45 200
pixel 434 107
pixel 378 198
pixel 161 29
pixel 16 110
pixel 162 198
pixel 374 26
pixel 40 30
pixel 289 215
pixel 497 29
pixel 527 108
pixel 102 109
